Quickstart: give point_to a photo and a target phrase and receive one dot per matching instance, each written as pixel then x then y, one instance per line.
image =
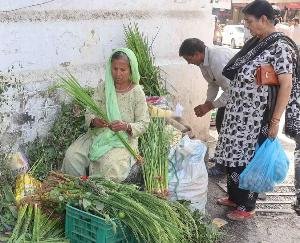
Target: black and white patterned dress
pixel 243 120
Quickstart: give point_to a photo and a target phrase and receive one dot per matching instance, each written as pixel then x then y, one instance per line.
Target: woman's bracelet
pixel 128 128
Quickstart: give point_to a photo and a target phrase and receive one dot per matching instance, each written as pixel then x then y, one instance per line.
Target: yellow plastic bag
pixel 158 112
pixel 26 186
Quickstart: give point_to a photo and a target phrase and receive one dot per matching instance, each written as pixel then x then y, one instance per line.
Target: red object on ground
pixel 239 215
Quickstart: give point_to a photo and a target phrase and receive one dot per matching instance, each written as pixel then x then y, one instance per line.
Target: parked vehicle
pixel 233 35
pixel 217 40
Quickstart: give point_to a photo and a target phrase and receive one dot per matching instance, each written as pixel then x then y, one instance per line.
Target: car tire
pixel 232 44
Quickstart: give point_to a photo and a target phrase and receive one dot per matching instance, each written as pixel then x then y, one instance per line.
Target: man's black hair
pixel 190 46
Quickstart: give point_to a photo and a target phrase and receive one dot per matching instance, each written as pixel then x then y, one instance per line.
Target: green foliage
pixel 6 175
pixel 150 74
pixel 7 200
pixel 50 150
pixel 206 231
pixel 8 209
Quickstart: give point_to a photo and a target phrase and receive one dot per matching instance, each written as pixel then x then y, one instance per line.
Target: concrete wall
pixel 40 41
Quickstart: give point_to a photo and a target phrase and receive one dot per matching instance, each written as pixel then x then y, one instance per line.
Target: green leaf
pixel 86 203
pixel 99 206
pixel 114 227
pixel 9 196
pixel 13 210
pixel 54 193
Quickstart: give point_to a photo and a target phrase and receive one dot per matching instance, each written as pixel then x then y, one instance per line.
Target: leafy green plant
pixel 7 176
pixel 150 74
pixel 7 199
pixel 48 152
pixel 8 209
pixel 206 231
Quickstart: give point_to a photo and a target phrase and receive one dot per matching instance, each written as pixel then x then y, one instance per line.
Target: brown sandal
pixel 226 202
pixel 239 215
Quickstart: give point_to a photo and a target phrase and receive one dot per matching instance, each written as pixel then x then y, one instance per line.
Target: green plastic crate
pixel 83 227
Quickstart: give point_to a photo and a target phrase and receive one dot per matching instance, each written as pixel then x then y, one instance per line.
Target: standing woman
pixel 253 111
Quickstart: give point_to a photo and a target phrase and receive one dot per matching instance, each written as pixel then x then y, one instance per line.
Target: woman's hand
pixel 99 123
pixel 273 129
pixel 117 126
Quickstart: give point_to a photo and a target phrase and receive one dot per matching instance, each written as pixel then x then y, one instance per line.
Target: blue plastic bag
pixel 268 167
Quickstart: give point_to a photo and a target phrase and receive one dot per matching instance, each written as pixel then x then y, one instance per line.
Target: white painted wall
pixel 40 41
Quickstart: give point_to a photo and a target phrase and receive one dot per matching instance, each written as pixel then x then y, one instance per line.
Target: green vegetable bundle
pixel 150 74
pixel 73 88
pixel 150 219
pixel 34 226
pixel 155 147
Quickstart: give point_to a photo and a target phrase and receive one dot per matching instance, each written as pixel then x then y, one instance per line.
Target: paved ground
pixel 264 228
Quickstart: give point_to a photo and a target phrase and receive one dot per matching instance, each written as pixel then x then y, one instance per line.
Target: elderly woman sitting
pixel 124 101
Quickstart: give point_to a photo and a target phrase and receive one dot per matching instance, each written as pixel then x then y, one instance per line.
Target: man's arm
pixel 222 100
pixel 218 62
pixel 212 91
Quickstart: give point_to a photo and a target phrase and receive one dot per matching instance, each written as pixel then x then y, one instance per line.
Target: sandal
pixel 240 215
pixel 226 202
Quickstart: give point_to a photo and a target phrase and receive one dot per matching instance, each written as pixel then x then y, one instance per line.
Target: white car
pixel 233 35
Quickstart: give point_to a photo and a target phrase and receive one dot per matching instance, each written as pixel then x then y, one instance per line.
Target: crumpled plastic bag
pixel 26 185
pixel 188 177
pixel 268 167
